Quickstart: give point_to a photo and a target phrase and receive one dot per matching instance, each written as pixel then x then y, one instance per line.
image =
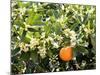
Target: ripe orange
pixel 66 54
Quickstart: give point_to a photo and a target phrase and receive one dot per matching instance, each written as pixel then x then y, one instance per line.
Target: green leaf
pixel 93 41
pixel 39 69
pixel 47 29
pixel 19 23
pixel 15 51
pixel 27 40
pixel 32 30
pixel 85 19
pixel 25 56
pixel 80 49
pixel 37 34
pixel 23 35
pixel 34 56
pixel 56 14
pixel 49 53
pixel 35 19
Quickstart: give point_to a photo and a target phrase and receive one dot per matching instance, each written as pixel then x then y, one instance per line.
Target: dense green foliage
pixel 40 30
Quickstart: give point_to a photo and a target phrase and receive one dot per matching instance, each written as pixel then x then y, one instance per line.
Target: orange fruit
pixel 66 54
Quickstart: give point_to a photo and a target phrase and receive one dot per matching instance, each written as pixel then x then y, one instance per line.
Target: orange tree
pixel 39 31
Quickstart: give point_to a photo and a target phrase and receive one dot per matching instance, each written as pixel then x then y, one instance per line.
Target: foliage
pixel 40 30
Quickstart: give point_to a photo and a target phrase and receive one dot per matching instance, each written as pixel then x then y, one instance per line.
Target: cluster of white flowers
pixel 72 35
pixel 54 63
pixel 52 39
pixel 43 35
pixel 22 10
pixel 55 44
pixel 24 47
pixel 13 3
pixel 34 42
pixel 60 19
pixel 42 51
pixel 35 7
pixel 82 43
pixel 59 37
pixel 73 38
pixel 62 7
pixel 87 31
pixel 91 10
pixel 49 39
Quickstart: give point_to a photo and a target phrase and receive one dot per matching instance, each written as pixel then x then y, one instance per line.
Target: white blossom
pixel 55 44
pixel 87 30
pixel 42 51
pixel 49 39
pixel 62 7
pixel 72 35
pixel 24 47
pixel 22 10
pixel 43 35
pixel 35 7
pixel 58 69
pixel 34 42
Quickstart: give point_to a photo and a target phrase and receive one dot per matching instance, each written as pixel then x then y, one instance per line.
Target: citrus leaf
pixel 15 51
